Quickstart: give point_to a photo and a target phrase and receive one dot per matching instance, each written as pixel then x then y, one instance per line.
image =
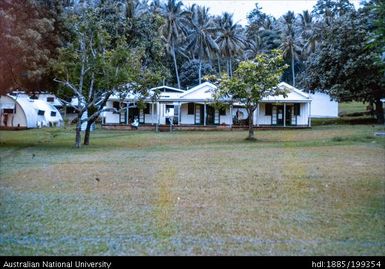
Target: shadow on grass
pixel 344 121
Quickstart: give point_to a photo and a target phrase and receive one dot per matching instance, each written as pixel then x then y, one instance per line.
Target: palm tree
pixel 155 7
pixel 309 32
pixel 136 8
pixel 174 29
pixel 200 36
pixel 230 40
pixel 289 44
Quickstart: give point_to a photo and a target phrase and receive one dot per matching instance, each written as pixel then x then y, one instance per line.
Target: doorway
pixel 210 115
pixel 279 110
pixel 278 116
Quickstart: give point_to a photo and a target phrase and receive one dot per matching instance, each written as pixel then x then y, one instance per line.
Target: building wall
pixel 190 119
pixel 259 118
pixel 263 119
pixel 151 117
pixel 322 106
pixel 226 119
pixel 111 118
pixel 114 118
pixel 185 118
pixel 303 118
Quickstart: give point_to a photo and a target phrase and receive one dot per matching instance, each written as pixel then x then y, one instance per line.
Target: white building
pixel 156 109
pixel 322 106
pixel 195 107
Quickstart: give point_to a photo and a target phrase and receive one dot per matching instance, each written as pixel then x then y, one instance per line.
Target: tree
pixel 252 81
pixel 260 33
pixel 230 40
pixel 291 50
pixel 377 8
pixel 93 70
pixel 309 32
pixel 200 37
pixel 30 33
pixel 189 71
pixel 256 19
pixel 174 29
pixel 333 7
pixel 345 66
pixel 138 24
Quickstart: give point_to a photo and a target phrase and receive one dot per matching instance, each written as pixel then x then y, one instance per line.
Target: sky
pixel 241 8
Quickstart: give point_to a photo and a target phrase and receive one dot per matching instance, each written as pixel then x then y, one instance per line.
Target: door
pixel 210 115
pixel 289 112
pixel 170 113
pixel 133 113
pixel 279 115
pixel 199 114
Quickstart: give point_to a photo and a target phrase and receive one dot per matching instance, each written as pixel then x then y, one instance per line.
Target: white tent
pixel 20 111
pixel 48 115
pixel 50 99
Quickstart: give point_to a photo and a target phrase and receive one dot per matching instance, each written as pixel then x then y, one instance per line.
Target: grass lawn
pixel 351 107
pixel 318 191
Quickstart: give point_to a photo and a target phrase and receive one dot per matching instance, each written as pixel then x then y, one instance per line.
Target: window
pixel 50 99
pixel 147 109
pixel 116 105
pixel 40 112
pixel 222 111
pixel 53 114
pixel 70 110
pixel 8 110
pixel 268 109
pixel 190 108
pixel 297 109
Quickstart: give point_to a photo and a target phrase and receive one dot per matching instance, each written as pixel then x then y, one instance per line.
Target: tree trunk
pixel 228 67
pixel 379 111
pixel 231 68
pixel 78 130
pixel 87 133
pixel 292 65
pixel 176 66
pixel 371 104
pixel 219 67
pixel 251 123
pixel 200 71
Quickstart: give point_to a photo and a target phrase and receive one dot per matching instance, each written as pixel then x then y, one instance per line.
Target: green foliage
pixel 335 7
pixel 30 33
pixel 254 80
pixel 378 9
pixel 344 66
pixel 189 75
pixel 256 18
pixel 260 33
pixel 174 29
pixel 231 40
pixel 94 66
